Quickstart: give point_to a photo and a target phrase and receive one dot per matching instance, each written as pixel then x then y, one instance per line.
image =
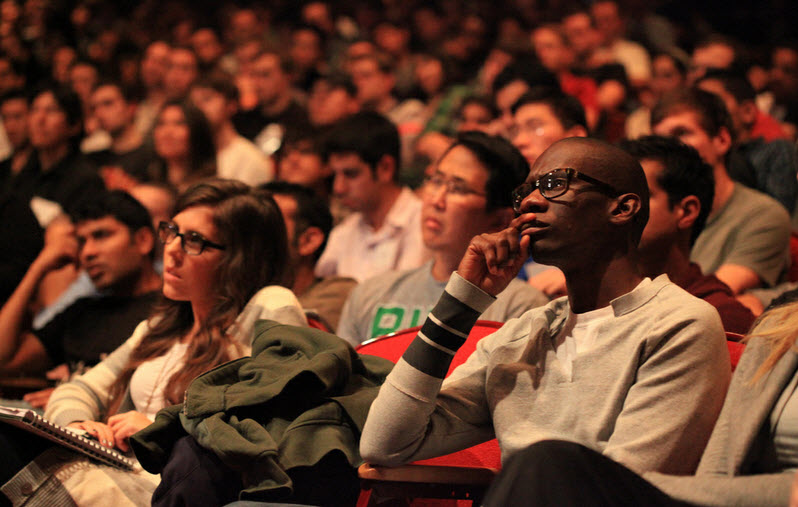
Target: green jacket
pixel 302 395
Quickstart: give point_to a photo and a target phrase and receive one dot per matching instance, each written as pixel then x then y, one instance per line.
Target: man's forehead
pixel 560 155
pixel 346 160
pixel 90 225
pixel 679 118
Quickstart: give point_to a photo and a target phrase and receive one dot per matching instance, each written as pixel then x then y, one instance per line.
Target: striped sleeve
pixel 447 327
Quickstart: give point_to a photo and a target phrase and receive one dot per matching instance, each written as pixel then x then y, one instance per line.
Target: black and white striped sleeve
pixel 447 327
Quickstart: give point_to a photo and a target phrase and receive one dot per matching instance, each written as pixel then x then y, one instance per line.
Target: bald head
pixel 605 163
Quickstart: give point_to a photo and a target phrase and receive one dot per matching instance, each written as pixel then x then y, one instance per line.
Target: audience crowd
pixel 598 167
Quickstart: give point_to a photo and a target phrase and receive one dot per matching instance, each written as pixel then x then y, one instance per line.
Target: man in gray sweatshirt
pixel 632 367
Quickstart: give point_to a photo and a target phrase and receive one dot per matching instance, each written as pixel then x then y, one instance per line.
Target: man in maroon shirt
pixel 681 188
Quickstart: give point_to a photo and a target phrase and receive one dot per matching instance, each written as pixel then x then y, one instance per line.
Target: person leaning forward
pixel 632 367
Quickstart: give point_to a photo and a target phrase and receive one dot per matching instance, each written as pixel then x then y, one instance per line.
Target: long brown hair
pixel 250 225
pixel 781 333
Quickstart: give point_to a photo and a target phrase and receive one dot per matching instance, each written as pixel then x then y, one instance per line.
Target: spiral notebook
pixel 30 421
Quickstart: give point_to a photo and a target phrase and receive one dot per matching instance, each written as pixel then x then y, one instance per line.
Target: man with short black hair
pixel 113 240
pixel 681 189
pixel 237 158
pixel 468 194
pixel 277 109
pixel 308 223
pixel 543 116
pixel 332 98
pixel 623 364
pixel 745 242
pixel 14 116
pixel 374 77
pixel 383 233
pixel 767 164
pixel 129 160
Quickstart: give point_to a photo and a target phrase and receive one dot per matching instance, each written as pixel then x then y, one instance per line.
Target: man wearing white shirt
pixel 384 232
pixel 236 157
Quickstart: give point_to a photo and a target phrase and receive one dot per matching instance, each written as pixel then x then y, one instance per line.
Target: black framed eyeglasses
pixel 193 243
pixel 555 183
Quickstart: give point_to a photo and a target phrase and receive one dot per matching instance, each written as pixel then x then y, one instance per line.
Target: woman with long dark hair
pixel 225 265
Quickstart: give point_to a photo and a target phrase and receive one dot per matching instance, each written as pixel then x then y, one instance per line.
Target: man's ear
pixel 624 209
pixel 689 209
pixel 309 241
pixel 386 167
pixel 144 240
pixel 722 141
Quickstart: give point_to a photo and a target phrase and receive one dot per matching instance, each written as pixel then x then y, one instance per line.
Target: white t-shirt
pixel 580 332
pixel 149 380
pixel 243 161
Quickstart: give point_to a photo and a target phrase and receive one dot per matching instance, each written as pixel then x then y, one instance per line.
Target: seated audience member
pixel 308 222
pixel 555 53
pixel 300 160
pixel 622 365
pixel 611 26
pixel 236 157
pixel 332 98
pixel 681 188
pixel 784 85
pixel 277 104
pixel 225 260
pixel 712 53
pixel 159 199
pixel 374 78
pixel 113 240
pixel 749 460
pixel 543 116
pixel 476 113
pixel 184 144
pixel 181 72
pixel 745 241
pixel 383 233
pixel 540 118
pixel 767 166
pixel 14 116
pixel 668 73
pixel 307 54
pixel 152 70
pixel 516 79
pixel 55 178
pixel 129 160
pixel 467 194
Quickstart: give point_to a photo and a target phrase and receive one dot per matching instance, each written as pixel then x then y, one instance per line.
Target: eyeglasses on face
pixel 530 128
pixel 193 243
pixel 555 183
pixel 453 186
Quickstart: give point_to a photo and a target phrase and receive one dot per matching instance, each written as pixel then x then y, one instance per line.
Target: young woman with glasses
pixel 225 266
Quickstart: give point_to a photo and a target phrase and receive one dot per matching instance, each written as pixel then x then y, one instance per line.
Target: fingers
pixel 501 250
pixel 125 425
pixel 97 430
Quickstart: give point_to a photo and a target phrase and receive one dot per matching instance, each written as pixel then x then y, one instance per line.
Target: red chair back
pixel 792 274
pixel 392 346
pixel 735 351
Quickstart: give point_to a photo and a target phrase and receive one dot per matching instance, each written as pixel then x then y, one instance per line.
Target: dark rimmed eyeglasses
pixel 555 183
pixel 193 243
